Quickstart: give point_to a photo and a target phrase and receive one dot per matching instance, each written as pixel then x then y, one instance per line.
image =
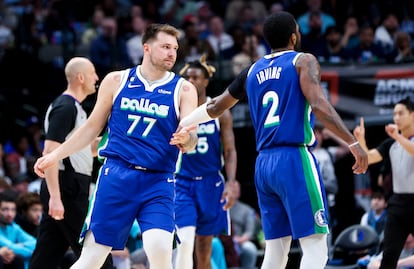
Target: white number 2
pixel 272 118
pixel 135 119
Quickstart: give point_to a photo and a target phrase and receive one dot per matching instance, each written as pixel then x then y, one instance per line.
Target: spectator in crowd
pixel 350 37
pixel 333 51
pixel 243 220
pixel 109 51
pixel 29 212
pixel 94 28
pixel 202 196
pixel 173 11
pixel 191 45
pixel 400 148
pixel 384 34
pixel 34 136
pixel 219 39
pixel 247 56
pixel 9 260
pixel 20 183
pixel 3 168
pixel 367 51
pixel 12 235
pixel 17 160
pixel 314 6
pixel 234 9
pixel 134 43
pixel 314 41
pixel 404 47
pixel 376 216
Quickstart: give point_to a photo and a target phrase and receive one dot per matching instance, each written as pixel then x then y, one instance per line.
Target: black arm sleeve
pixel 384 147
pixel 237 88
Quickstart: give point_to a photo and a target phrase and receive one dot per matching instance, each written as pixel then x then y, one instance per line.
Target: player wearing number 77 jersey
pixel 284 93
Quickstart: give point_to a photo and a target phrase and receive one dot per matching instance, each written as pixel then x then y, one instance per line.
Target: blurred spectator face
pixel 191 32
pixel 315 22
pixel 275 8
pixel 136 11
pixel 216 25
pixel 250 44
pixel 352 24
pixel 204 11
pixel 109 27
pixel 34 213
pixel 366 36
pixel 138 24
pixel 314 5
pixel 402 40
pixel 98 16
pixel 391 23
pixel 7 212
pixel 378 204
pixel 333 36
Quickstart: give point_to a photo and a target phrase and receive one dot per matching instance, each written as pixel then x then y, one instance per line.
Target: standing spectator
pixel 314 6
pixel 247 56
pixel 276 86
pixel 243 220
pixel 141 108
pixel 202 195
pixel 65 190
pixel 400 148
pixel 108 51
pixel 12 235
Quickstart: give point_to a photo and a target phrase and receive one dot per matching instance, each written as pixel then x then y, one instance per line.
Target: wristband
pixel 353 144
pixel 199 115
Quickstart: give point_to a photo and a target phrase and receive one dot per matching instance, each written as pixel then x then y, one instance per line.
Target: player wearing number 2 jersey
pixel 283 91
pixel 202 196
pixel 141 107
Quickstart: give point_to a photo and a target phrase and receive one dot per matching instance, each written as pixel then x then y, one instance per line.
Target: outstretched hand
pixel 361 157
pixel 181 136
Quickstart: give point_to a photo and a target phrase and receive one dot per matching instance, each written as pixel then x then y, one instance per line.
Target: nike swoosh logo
pixel 218 183
pixel 133 86
pixel 169 180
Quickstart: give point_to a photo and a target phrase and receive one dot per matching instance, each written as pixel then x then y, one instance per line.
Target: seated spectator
pixel 29 212
pixel 12 235
pixel 94 27
pixel 219 39
pixel 243 219
pixel 384 34
pixel 350 37
pixel 314 6
pixel 8 259
pixel 247 56
pixel 134 43
pixel 376 216
pixel 333 51
pixel 314 41
pixel 20 183
pixel 367 51
pixel 404 48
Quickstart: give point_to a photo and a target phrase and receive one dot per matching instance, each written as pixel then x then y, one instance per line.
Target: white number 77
pixel 135 119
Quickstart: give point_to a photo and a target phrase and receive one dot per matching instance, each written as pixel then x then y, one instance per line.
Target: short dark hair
pixel 8 195
pixel 407 103
pixel 153 29
pixel 278 28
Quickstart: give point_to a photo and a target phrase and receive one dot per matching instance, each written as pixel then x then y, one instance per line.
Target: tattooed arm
pixel 309 73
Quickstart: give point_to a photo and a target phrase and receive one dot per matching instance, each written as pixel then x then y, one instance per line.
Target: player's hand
pixel 228 195
pixel 56 209
pixel 361 159
pixel 182 136
pixel 44 163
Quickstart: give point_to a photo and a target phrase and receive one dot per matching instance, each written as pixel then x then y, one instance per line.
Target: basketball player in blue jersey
pixel 141 107
pixel 284 94
pixel 202 196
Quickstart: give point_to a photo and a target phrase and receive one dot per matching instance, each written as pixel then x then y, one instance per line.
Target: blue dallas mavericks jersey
pixel 280 112
pixel 142 120
pixel 206 158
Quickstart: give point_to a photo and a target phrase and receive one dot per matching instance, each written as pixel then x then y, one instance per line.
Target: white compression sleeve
pixel 93 254
pixel 199 115
pixel 276 253
pixel 315 251
pixel 185 248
